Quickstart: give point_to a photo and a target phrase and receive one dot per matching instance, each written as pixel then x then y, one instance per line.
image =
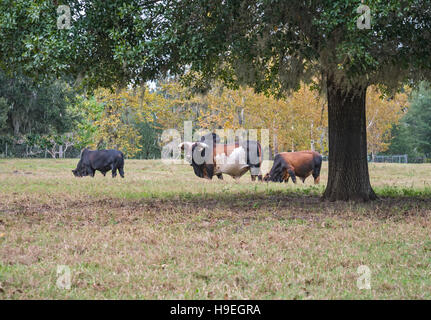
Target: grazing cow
pixel 102 160
pixel 213 158
pixel 295 164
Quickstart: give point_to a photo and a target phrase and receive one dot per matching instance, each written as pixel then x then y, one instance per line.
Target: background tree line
pixel 54 119
pixel 412 135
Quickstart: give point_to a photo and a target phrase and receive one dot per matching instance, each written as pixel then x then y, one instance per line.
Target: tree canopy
pixel 27 107
pixel 271 45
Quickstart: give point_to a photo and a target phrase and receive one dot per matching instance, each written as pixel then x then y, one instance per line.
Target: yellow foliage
pixel 382 113
pixel 173 105
pixel 122 109
pixel 295 123
pixel 299 122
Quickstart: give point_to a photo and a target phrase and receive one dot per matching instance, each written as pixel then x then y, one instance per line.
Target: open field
pixel 164 233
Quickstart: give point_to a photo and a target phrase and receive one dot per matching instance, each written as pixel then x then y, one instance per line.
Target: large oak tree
pixel 271 45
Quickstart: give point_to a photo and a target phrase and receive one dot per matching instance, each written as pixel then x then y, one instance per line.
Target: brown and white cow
pixel 295 164
pixel 209 159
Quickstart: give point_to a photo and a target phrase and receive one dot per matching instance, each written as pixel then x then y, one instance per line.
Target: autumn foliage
pixel 297 122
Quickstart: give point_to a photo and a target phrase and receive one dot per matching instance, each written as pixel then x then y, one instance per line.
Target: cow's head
pixel 80 170
pixel 193 150
pixel 187 147
pixel 268 177
pixel 77 173
pixel 197 155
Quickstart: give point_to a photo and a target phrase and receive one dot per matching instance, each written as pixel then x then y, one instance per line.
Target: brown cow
pixel 295 164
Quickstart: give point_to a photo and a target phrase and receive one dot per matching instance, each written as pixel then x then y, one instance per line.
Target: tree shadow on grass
pixel 228 205
pixel 298 204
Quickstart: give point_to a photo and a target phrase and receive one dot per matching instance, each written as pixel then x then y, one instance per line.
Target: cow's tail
pixel 254 162
pixel 259 149
pixel 260 155
pixel 121 165
pixel 316 168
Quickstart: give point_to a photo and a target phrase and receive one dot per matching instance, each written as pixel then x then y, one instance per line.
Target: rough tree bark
pixel 348 177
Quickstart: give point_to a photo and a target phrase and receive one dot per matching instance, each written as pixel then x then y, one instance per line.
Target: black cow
pixel 102 160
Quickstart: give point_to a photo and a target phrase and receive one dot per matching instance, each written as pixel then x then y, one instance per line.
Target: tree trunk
pixel 348 177
pixel 15 125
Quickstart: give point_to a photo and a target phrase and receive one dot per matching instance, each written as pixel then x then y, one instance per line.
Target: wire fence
pixel 22 150
pixel 396 158
pixel 8 150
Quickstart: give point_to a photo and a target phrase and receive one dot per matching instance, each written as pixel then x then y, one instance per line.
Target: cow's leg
pixel 114 171
pixel 258 176
pixel 255 173
pixel 316 176
pixel 92 172
pixel 303 180
pixel 220 176
pixel 285 177
pixel 121 171
pixel 292 174
pixel 208 171
pixel 280 172
pixel 104 173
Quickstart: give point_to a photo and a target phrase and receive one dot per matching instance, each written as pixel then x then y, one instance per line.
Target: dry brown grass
pixel 164 233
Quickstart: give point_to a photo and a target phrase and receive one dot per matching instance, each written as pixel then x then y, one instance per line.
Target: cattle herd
pixel 210 158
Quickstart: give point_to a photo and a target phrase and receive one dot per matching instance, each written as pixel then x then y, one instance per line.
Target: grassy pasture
pixel 164 233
